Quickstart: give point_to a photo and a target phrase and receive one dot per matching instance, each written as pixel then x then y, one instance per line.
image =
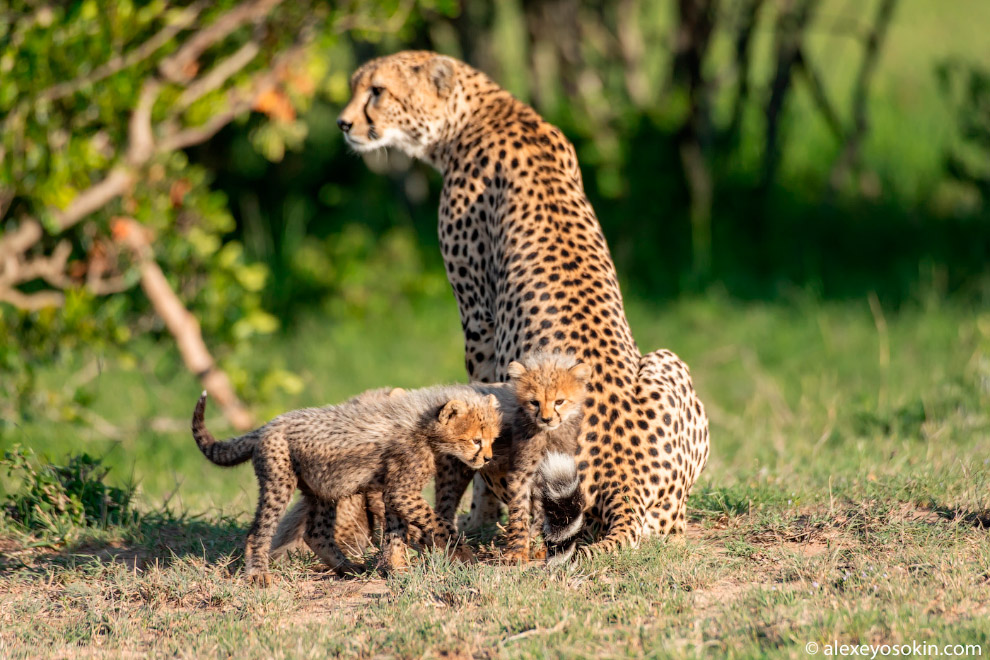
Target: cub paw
pixel 464 554
pixel 393 558
pixel 262 579
pixel 348 569
pixel 515 555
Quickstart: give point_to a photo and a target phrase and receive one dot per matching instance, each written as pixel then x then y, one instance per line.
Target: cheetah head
pixel 402 100
pixel 467 429
pixel 549 387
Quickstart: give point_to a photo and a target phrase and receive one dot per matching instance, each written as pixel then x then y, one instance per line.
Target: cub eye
pixel 376 91
pixel 478 442
pixel 534 403
pixel 559 402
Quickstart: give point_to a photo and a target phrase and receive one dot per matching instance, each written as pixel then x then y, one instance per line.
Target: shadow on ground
pixel 155 540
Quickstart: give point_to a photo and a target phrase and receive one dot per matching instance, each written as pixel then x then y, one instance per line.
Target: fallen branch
pixel 181 323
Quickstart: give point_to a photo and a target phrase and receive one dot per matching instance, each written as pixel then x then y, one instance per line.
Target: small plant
pixel 55 497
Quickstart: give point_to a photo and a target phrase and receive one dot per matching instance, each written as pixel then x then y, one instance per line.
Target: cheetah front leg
pixel 479 360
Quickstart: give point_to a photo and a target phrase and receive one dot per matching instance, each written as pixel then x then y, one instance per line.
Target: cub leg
pixel 277 482
pixel 453 476
pixel 321 538
pixel 393 543
pixel 520 485
pixel 485 507
pixel 408 505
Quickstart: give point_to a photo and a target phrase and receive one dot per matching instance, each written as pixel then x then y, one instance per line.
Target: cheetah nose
pixel 344 125
pixel 546 420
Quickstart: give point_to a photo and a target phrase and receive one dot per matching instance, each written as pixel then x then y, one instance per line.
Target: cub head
pixel 467 427
pixel 402 101
pixel 550 387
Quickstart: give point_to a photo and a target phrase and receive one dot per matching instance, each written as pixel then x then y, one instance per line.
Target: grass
pixel 847 498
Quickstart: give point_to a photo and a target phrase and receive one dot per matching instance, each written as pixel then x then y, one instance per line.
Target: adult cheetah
pixel 530 270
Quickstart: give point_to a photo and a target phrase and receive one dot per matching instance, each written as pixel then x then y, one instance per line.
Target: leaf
pixel 275 103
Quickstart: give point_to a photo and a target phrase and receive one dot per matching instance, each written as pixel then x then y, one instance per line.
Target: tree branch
pixel 31 301
pixel 181 323
pixel 95 197
pixel 743 43
pixel 791 26
pixel 871 53
pixel 818 93
pixel 178 67
pixel 217 76
pixel 183 20
pixel 141 138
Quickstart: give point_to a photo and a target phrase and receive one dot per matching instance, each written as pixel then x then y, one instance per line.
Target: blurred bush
pixel 58 498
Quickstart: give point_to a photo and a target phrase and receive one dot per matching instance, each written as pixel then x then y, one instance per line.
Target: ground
pixel 847 498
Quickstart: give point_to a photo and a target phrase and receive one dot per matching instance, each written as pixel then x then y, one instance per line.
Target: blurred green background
pixel 799 185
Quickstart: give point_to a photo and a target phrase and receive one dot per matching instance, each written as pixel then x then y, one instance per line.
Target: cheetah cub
pixel 386 445
pixel 550 390
pixel 360 519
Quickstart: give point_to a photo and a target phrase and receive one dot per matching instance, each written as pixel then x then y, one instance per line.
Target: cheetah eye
pixel 478 442
pixel 534 403
pixel 376 91
pixel 558 402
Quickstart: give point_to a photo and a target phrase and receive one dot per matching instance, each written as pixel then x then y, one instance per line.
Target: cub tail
pixel 563 506
pixel 229 452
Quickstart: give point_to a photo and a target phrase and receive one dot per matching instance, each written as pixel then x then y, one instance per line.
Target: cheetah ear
pixel 492 401
pixel 396 391
pixel 452 408
pixel 516 370
pixel 581 371
pixel 442 74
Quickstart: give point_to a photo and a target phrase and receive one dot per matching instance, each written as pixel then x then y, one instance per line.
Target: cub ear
pixel 396 391
pixel 442 74
pixel 516 370
pixel 492 401
pixel 581 371
pixel 450 409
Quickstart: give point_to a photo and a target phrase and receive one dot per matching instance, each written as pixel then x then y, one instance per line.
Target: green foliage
pixel 56 498
pixel 968 86
pixel 71 79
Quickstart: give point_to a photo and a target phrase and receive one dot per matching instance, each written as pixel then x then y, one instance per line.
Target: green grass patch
pixel 847 498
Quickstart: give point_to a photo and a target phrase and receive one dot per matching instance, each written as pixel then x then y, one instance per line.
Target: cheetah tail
pixel 226 453
pixel 289 534
pixel 563 506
